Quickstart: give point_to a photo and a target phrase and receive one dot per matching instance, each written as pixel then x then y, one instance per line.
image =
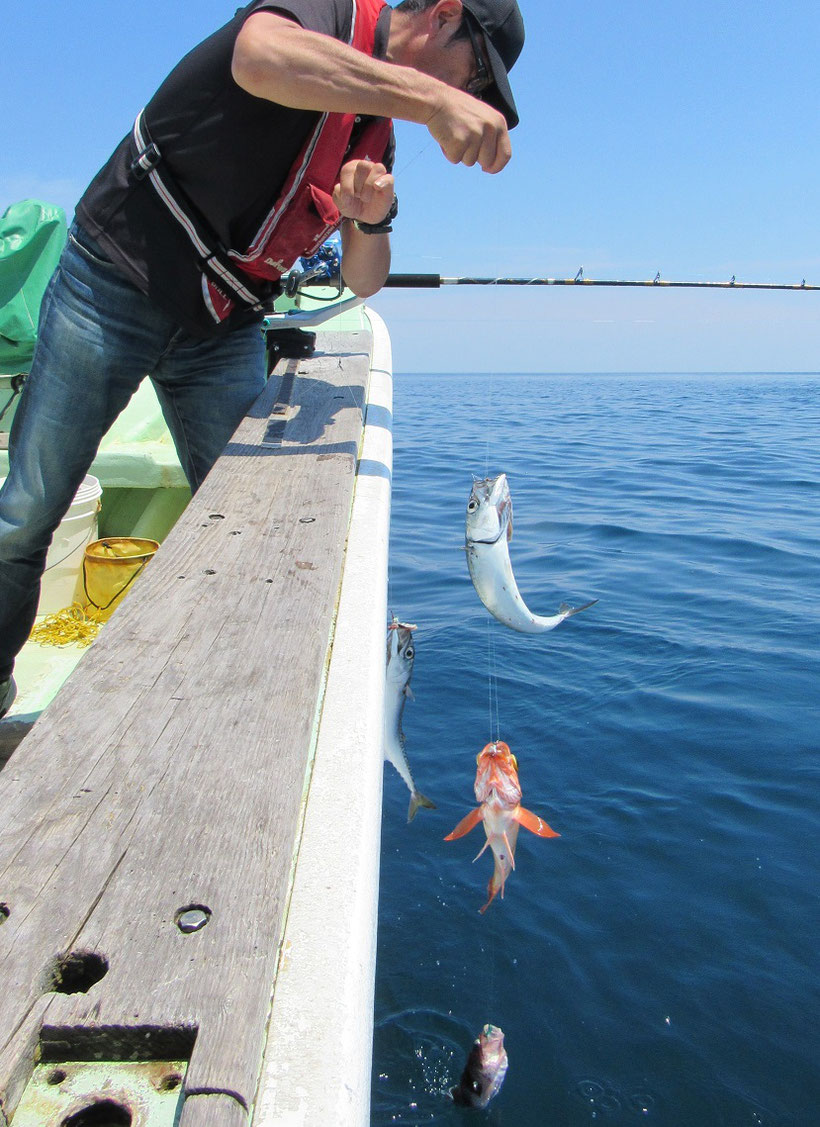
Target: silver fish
pixel 400 656
pixel 489 530
pixel 485 1070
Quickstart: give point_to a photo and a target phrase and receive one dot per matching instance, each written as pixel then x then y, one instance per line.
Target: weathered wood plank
pixel 170 770
pixel 206 1111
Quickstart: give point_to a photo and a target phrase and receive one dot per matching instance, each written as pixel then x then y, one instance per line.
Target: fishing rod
pixel 434 281
pixel 298 281
pixel 324 269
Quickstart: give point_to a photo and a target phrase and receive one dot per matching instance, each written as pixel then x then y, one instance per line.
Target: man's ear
pixel 445 13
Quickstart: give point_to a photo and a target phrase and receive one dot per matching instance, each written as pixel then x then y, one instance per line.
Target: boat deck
pixel 190 832
pixel 145 492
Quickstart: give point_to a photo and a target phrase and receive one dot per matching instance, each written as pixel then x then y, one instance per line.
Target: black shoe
pixel 8 691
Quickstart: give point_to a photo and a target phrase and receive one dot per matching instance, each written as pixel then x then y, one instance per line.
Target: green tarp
pixel 32 236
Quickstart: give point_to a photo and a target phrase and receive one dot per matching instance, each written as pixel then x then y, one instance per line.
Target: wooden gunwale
pixel 171 771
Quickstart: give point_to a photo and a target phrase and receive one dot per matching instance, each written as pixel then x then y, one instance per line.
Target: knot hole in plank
pixel 76 972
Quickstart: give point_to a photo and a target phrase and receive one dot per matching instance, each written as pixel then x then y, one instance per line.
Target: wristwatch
pixel 386 224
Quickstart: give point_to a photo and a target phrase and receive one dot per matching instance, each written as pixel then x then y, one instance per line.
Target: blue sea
pixel 659 963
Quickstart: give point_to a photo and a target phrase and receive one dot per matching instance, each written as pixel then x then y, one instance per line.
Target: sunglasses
pixel 482 78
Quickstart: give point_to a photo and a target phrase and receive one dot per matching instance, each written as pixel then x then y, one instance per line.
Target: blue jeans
pixel 98 338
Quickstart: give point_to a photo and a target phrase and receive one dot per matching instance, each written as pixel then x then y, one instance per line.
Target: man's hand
pixel 470 132
pixel 364 191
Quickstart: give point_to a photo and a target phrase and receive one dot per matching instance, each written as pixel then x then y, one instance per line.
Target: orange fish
pixel 498 790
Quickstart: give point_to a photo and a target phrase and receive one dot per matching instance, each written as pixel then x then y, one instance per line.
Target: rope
pixel 76 625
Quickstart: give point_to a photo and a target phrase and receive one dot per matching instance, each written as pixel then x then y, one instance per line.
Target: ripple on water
pixel 421 1055
pixel 604 1100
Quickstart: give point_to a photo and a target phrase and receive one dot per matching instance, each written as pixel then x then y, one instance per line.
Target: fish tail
pixel 495 886
pixel 566 610
pixel 417 799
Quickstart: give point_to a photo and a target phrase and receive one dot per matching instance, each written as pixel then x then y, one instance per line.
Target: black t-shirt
pixel 228 152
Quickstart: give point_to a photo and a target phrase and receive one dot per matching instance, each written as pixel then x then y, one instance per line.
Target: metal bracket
pixel 117 1094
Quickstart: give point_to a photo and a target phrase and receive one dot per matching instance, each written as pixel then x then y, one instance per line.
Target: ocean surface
pixel 659 963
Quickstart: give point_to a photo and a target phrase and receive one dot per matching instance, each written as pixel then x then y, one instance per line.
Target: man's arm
pixel 276 59
pixel 365 260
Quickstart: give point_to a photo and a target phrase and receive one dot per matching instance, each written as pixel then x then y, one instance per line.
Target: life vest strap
pixel 213 259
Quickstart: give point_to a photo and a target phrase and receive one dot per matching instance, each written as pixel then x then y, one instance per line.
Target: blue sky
pixel 679 136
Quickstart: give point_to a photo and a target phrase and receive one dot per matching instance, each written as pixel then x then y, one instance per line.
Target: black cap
pixel 503 28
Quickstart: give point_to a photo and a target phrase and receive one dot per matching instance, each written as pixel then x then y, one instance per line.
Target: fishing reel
pixel 324 268
pixel 285 333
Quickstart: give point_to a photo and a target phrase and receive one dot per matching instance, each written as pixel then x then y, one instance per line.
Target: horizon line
pixel 614 372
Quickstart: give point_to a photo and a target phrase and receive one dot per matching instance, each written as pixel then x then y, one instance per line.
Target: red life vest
pixel 303 216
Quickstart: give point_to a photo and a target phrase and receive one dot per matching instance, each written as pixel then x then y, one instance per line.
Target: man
pixel 264 139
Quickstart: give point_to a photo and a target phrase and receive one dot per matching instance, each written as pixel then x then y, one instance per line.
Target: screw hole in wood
pixel 193 917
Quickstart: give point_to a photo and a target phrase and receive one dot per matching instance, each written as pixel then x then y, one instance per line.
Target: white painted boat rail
pixel 318 1058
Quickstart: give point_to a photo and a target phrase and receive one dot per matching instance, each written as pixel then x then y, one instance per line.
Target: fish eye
pixel 410 652
pixel 472 505
pixel 514 761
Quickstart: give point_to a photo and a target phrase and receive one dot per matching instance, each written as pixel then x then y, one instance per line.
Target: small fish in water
pixel 489 530
pixel 400 656
pixel 498 790
pixel 484 1071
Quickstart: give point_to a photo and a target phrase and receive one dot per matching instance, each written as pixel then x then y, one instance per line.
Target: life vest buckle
pixel 145 162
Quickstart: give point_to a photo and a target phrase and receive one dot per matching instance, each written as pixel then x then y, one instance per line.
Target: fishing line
pixel 492 678
pixel 495 722
pixel 494 737
pixel 490 681
pixel 489 429
pixel 492 692
pixel 412 160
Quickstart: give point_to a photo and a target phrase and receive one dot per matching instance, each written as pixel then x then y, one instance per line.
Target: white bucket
pixel 64 562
